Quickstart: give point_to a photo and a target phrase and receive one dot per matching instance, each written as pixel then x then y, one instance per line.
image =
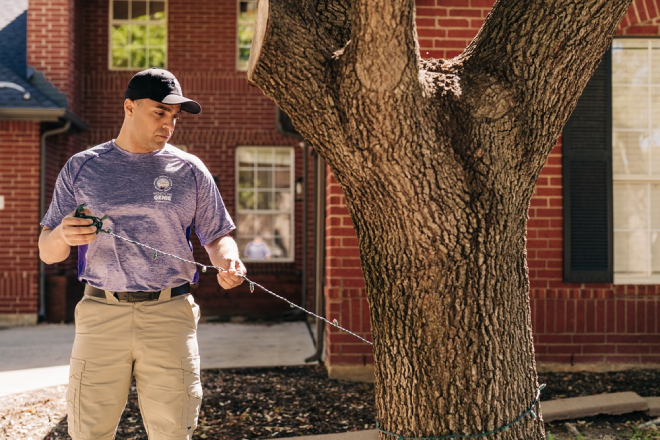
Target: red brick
pixel 588 359
pixel 633 349
pixel 599 349
pixel 616 359
pixel 453 23
pixel 554 358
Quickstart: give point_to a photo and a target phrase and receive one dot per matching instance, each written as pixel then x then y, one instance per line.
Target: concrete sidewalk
pixel 38 357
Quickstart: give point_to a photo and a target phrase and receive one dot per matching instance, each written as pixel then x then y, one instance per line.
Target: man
pixel 137 317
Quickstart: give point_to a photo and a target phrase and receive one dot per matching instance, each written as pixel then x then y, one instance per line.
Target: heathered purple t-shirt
pixel 154 198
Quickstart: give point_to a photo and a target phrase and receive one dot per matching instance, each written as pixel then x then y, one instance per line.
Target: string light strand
pixel 252 284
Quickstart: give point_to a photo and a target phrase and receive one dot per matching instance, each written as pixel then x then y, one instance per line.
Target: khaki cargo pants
pixel 155 341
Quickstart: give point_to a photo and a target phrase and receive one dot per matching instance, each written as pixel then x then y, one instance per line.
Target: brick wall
pixel 19 184
pixel 53 31
pixel 345 296
pixel 573 323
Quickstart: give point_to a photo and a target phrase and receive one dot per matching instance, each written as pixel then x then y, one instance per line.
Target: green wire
pixel 530 410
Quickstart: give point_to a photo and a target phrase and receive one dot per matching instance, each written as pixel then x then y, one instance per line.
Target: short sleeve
pixel 64 199
pixel 212 220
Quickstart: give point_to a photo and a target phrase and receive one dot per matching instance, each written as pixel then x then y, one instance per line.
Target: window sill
pixel 635 279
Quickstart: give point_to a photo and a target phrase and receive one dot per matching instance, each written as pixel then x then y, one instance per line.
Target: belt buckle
pixel 134 297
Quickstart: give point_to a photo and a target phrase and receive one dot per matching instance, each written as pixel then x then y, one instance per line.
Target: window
pixel 265 203
pixel 636 159
pixel 247 12
pixel 138 34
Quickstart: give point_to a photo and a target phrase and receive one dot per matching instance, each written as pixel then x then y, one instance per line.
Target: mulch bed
pixel 283 402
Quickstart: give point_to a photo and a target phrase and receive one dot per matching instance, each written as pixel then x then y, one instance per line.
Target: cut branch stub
pixel 260 26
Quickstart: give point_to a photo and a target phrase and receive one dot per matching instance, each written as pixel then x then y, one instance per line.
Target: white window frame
pixel 112 22
pixel 239 23
pixel 291 212
pixel 649 179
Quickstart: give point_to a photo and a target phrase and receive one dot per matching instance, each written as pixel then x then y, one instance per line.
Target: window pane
pixel 265 200
pixel 282 159
pixel 157 35
pixel 282 235
pixel 156 57
pixel 630 107
pixel 139 10
pixel 243 57
pixel 282 179
pixel 120 57
pixel 246 200
pixel 631 253
pixel 245 223
pixel 245 34
pixel 655 61
pixel 138 35
pixel 655 206
pixel 630 62
pixel 630 152
pixel 283 201
pixel 245 157
pixel 264 157
pixel 139 58
pixel 655 107
pixel 245 178
pixel 263 225
pixel 120 35
pixel 120 10
pixel 264 179
pixel 157 10
pixel 248 10
pixel 655 252
pixel 654 141
pixel 631 202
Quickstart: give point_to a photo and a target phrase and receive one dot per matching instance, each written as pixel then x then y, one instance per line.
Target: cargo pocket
pixel 193 392
pixel 76 369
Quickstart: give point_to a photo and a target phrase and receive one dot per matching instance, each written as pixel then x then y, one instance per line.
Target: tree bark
pixel 438 160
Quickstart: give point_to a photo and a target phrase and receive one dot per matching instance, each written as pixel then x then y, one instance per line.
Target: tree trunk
pixel 438 160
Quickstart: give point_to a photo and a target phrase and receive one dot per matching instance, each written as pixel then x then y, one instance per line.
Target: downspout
pixel 42 208
pixel 305 151
pixel 319 255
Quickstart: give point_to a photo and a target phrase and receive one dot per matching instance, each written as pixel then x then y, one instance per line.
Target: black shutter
pixel 285 125
pixel 587 183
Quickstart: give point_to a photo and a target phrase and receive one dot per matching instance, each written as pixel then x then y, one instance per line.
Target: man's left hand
pixel 233 277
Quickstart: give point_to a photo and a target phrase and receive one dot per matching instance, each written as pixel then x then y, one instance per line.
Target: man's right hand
pixel 55 244
pixel 77 231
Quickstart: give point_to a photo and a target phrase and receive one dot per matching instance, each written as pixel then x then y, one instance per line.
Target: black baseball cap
pixel 161 86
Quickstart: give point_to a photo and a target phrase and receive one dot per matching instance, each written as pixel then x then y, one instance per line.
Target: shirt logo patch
pixel 163 184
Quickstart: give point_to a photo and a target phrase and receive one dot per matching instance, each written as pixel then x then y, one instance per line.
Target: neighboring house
pixel 595 290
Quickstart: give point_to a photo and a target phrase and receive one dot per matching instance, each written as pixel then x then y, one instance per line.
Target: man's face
pixel 153 123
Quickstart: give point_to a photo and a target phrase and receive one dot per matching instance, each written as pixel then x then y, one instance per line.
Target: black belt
pixel 136 296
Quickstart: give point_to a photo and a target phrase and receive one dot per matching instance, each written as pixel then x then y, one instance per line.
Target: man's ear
pixel 129 106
